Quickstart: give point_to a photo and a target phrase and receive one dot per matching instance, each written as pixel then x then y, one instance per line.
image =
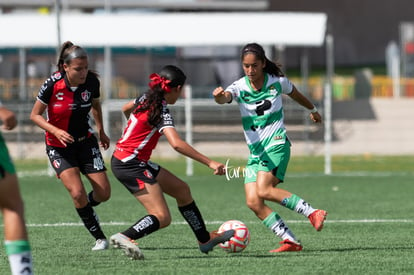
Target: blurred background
pixel 361 78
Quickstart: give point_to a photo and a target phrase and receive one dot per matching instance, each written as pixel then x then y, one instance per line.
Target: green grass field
pixel 369 230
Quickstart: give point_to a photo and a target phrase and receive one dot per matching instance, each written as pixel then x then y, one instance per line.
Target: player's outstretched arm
pixel 8 118
pixel 184 148
pixel 305 102
pixel 221 96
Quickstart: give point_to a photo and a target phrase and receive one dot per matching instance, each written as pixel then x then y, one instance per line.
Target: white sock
pixel 21 263
pixel 275 223
pixel 20 257
pixel 304 208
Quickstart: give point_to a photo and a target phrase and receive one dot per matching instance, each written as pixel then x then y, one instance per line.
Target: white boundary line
pixel 45 172
pixel 63 224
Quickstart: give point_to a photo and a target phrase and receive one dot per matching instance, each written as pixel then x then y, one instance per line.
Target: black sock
pixel 142 227
pixel 91 200
pixel 91 221
pixel 192 215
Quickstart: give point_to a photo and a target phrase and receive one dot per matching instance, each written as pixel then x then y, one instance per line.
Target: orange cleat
pixel 288 246
pixel 317 218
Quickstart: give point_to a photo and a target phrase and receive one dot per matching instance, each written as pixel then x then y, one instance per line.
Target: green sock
pixel 20 256
pixel 15 247
pixel 297 204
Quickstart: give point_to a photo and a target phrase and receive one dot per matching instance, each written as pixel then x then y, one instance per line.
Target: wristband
pixel 314 110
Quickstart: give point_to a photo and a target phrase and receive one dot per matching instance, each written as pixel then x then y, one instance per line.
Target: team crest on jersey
pixel 85 95
pixel 272 90
pixel 56 163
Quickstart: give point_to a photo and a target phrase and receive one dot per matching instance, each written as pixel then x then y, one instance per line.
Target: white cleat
pixel 128 245
pixel 101 244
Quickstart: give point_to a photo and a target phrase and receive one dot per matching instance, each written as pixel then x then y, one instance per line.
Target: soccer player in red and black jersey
pixel 68 96
pixel 149 118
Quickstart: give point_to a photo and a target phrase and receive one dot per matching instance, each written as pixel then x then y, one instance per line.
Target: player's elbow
pixel 178 146
pixel 33 117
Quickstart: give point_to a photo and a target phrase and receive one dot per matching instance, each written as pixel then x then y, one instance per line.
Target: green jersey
pixel 262 111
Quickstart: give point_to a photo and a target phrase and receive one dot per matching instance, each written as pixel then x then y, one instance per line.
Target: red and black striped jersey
pixel 68 108
pixel 139 137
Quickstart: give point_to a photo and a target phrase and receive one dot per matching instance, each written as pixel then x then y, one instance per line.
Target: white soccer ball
pixel 241 237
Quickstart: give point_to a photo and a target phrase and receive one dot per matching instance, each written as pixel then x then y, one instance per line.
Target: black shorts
pixel 85 155
pixel 134 173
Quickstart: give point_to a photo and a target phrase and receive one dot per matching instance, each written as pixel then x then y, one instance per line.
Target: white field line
pixel 45 172
pixel 63 224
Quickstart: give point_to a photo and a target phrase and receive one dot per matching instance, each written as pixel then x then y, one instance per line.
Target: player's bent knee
pixel 164 220
pixel 264 194
pixel 254 206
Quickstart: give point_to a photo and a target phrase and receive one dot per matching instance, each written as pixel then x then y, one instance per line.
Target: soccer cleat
pixel 288 246
pixel 101 244
pixel 128 245
pixel 215 239
pixel 317 218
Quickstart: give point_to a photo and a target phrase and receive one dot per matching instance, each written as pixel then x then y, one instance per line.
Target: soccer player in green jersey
pixel 16 239
pixel 259 95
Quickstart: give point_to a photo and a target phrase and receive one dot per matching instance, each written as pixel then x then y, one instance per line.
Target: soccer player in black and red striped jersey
pixel 68 96
pixel 149 118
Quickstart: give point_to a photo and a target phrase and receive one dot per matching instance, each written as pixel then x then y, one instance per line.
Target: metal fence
pixel 211 122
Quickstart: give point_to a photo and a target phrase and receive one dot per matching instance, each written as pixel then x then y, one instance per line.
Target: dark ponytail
pixel 62 54
pixel 69 51
pixel 270 67
pixel 169 77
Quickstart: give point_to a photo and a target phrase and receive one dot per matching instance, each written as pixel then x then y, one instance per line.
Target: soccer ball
pixel 241 237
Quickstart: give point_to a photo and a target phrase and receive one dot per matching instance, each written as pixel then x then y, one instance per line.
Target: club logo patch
pixel 56 163
pixel 85 95
pixel 148 174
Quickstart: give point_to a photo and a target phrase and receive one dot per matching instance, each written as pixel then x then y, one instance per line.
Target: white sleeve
pixel 286 85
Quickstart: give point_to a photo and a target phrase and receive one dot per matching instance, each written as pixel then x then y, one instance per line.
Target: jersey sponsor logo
pixel 167 116
pixel 245 97
pixel 44 87
pixel 86 95
pixel 56 76
pixel 59 96
pixel 142 224
pixel 167 119
pixel 56 163
pixel 264 163
pixel 262 106
pixel 96 151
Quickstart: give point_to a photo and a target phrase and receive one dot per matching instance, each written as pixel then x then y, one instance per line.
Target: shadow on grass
pixel 351 249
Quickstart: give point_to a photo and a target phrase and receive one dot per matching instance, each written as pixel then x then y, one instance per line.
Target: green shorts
pixel 275 159
pixel 6 164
